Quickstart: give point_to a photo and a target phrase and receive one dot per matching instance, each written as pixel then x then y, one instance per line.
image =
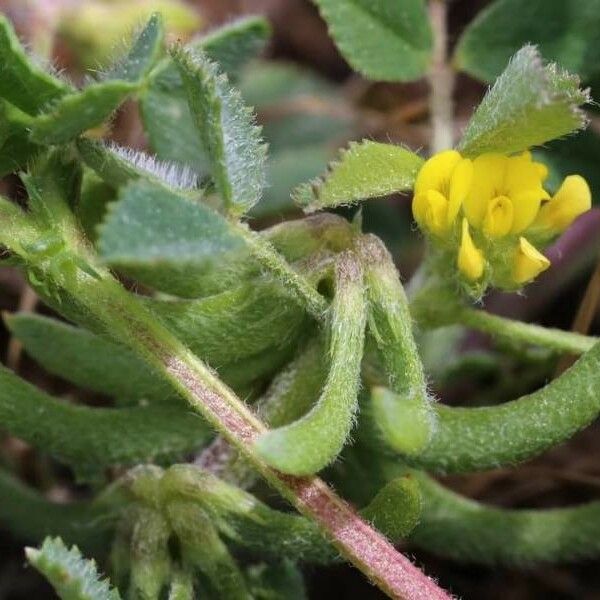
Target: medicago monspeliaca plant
pixel 278 354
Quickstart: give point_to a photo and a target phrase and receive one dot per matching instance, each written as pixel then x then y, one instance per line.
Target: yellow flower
pixel 440 189
pixel 485 211
pixel 506 193
pixel 572 199
pixel 470 259
pixel 528 262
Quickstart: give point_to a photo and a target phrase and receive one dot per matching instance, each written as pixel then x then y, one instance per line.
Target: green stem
pixel 525 333
pixel 131 323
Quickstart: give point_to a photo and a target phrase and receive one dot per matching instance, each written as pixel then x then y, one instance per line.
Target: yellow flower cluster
pixel 492 211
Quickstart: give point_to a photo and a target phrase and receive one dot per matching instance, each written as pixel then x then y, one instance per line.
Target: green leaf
pixel 566 32
pixel 75 113
pixel 476 439
pixel 396 509
pixel 233 44
pixel 22 82
pixel 86 359
pixel 202 547
pixel 117 166
pixel 142 57
pixel 15 147
pixel 150 225
pixel 149 554
pixel 282 580
pixel 529 104
pixel 31 516
pixel 234 325
pixel 462 529
pixel 309 444
pixel 93 438
pixel 405 415
pixel 226 127
pixel 72 576
pixel 365 170
pixel 165 112
pixel 384 40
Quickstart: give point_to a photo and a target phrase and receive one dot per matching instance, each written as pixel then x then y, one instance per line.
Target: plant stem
pixel 129 322
pixel 527 333
pixel 441 81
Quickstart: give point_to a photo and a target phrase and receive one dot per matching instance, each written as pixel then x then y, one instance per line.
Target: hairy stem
pixel 524 333
pixel 128 321
pixel 441 81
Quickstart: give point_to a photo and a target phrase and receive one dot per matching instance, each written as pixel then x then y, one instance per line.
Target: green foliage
pixel 167 118
pixel 74 113
pixel 309 444
pixel 281 316
pixel 566 32
pixel 226 127
pixel 473 439
pixel 23 83
pixel 93 438
pixel 73 577
pixel 86 359
pixel 382 40
pixel 396 508
pixel 529 104
pixel 151 225
pixel 474 533
pixel 365 170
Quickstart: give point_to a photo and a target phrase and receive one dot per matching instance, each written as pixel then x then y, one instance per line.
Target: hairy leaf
pixel 381 39
pixel 72 576
pixel 28 514
pixel 86 359
pixel 150 225
pixel 312 442
pixel 117 166
pixel 22 82
pixel 365 170
pixel 528 105
pixel 202 547
pixel 567 32
pixel 226 127
pixel 164 104
pixel 142 57
pixel 15 147
pixel 77 112
pixel 474 439
pixel 234 325
pixel 235 43
pixel 94 438
pixel 471 532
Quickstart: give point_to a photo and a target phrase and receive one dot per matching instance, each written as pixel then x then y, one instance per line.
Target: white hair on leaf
pixel 174 175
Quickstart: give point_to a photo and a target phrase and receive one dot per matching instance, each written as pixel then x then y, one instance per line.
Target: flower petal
pixel 487 183
pixel 470 259
pixel 460 184
pixel 436 172
pixel 571 200
pixel 528 262
pixel 499 217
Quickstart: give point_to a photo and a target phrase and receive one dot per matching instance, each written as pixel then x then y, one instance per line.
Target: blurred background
pixel 311 104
